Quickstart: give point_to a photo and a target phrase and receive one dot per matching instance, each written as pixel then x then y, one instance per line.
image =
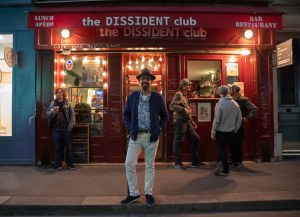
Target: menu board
pixel 115 108
pixel 80 144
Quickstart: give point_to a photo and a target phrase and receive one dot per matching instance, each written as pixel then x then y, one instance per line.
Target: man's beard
pixel 145 87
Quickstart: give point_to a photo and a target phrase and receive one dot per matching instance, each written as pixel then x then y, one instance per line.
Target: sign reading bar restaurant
pixel 122 20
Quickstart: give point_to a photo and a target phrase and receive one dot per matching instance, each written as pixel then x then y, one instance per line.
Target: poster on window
pixel 204 112
pixel 90 73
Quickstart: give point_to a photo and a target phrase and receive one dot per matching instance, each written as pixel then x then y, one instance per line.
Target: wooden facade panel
pixel 44 95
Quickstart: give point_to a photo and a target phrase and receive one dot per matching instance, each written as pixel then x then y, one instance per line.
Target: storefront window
pixel 206 77
pixel 85 78
pixel 7 60
pixel 134 62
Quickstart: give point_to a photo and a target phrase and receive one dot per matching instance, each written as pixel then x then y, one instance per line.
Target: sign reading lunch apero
pixel 117 20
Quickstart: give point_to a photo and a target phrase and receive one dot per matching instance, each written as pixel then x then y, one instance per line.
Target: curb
pixel 141 208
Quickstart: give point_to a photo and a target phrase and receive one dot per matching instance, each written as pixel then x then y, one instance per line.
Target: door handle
pixel 29 120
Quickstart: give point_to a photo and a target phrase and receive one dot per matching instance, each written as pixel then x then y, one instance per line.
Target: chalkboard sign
pixel 80 144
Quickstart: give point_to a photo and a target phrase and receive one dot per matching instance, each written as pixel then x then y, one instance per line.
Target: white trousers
pixel 133 152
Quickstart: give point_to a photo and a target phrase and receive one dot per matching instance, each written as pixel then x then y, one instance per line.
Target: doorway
pixel 289 109
pixel 132 65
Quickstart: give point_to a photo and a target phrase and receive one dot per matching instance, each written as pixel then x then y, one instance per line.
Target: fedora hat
pixel 185 82
pixel 146 72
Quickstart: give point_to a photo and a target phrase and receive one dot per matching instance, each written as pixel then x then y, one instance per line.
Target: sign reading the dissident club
pixel 69 64
pixel 177 20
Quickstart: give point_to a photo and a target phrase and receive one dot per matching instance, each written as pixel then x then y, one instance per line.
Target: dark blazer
pixel 158 114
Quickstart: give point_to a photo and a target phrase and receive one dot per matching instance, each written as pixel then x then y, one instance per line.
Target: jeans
pixel 133 152
pixel 182 128
pixel 236 146
pixel 61 139
pixel 224 138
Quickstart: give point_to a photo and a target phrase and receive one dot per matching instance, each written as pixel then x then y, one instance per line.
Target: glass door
pixel 156 63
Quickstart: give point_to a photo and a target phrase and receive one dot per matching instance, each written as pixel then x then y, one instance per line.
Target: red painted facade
pixel 204 36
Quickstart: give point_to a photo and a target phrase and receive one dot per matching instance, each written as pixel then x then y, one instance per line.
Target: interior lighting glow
pixel 245 52
pixel 105 85
pixel 232 59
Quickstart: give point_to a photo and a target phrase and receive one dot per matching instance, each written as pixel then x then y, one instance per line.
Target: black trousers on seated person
pixel 223 139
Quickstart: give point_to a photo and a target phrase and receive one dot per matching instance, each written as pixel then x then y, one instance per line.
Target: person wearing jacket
pixel 184 125
pixel 249 112
pixel 227 121
pixel 61 111
pixel 144 115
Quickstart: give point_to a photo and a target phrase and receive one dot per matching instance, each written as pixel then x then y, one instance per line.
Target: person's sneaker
pixel 219 169
pixel 223 174
pixel 180 167
pixel 149 200
pixel 235 165
pixel 71 167
pixel 57 167
pixel 198 165
pixel 129 199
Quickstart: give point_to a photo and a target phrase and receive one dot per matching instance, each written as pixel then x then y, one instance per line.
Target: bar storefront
pixel 96 53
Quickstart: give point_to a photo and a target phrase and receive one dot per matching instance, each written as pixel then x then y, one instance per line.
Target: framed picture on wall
pixel 204 112
pixel 232 69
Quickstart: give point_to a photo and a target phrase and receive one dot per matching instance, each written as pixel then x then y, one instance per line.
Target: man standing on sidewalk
pixel 184 125
pixel 227 121
pixel 145 114
pixel 249 111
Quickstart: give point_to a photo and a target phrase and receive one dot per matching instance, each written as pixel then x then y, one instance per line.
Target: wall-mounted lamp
pixel 65 33
pixel 248 34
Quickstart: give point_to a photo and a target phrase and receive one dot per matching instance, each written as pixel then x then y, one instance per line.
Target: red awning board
pixel 181 17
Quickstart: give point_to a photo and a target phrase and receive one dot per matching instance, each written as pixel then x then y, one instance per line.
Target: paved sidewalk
pixel 99 188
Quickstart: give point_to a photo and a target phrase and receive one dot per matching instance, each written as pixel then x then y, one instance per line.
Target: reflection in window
pixel 6 63
pixel 205 76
